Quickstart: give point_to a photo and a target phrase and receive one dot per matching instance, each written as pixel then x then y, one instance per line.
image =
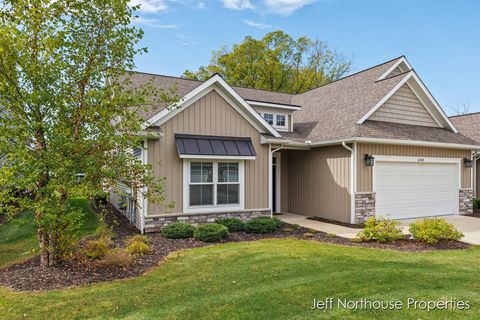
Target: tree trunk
pixel 47 248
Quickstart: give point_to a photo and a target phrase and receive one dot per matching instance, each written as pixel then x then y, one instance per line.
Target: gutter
pixel 308 144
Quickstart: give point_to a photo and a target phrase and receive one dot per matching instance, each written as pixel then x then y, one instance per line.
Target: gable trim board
pixel 273 105
pixel 218 84
pixel 411 75
pixel 396 65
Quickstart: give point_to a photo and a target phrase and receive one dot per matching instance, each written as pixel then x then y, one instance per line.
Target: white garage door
pixel 416 189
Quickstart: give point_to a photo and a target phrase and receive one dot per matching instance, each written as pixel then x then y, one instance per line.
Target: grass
pixel 18 239
pixel 268 279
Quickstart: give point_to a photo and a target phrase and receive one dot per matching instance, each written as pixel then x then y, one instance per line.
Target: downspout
pixel 353 175
pixel 270 195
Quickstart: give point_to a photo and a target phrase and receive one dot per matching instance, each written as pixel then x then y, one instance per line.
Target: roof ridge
pixel 354 74
pixel 465 115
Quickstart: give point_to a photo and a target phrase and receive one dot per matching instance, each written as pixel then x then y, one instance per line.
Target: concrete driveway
pixel 469 226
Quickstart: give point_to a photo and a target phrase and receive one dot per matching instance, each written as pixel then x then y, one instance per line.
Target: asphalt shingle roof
pixel 331 112
pixel 468 125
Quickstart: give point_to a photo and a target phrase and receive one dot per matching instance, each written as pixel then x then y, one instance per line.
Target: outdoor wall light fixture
pixel 369 160
pixel 468 163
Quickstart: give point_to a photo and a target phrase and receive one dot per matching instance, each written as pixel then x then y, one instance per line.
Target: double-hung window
pixel 268 117
pixel 213 185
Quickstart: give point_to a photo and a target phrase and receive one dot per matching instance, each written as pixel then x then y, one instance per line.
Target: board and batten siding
pixel 319 183
pixel 210 115
pixel 364 173
pixel 477 179
pixel 404 107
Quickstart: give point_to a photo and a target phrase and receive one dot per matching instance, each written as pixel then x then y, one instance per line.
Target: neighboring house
pixel 469 125
pixel 373 143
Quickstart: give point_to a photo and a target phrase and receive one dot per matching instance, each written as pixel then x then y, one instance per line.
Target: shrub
pixel 137 238
pixel 381 230
pixel 116 258
pixel 138 248
pixel 178 230
pixel 435 230
pixel 96 249
pixel 476 203
pixel 232 224
pixel 263 225
pixel 211 232
pixel 104 232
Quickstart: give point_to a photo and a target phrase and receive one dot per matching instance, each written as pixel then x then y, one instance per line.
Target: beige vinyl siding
pixel 284 181
pixel 364 173
pixel 319 183
pixel 210 115
pixel 404 107
pixel 477 179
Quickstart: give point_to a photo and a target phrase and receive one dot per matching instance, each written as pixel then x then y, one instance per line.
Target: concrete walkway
pixel 302 221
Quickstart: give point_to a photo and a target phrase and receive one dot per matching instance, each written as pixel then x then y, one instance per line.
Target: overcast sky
pixel 440 38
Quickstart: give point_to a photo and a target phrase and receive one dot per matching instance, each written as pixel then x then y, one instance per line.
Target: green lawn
pixel 269 279
pixel 19 241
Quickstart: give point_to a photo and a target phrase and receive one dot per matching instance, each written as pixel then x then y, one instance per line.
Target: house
pixel 468 125
pixel 373 143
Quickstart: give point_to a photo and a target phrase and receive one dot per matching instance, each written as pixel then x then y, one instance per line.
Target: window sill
pixel 213 209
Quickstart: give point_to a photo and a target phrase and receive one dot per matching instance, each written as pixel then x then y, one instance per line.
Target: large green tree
pixel 277 62
pixel 67 121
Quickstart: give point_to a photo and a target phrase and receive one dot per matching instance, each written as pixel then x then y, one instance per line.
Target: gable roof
pixel 218 84
pixel 468 125
pixel 339 110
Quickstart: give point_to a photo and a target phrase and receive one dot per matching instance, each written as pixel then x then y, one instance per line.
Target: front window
pixel 268 117
pixel 215 183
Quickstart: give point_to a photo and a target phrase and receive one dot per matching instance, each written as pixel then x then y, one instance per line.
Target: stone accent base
pixel 364 206
pixel 155 224
pixel 466 201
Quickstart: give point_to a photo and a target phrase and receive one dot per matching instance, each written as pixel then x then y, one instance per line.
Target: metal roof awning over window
pixel 214 147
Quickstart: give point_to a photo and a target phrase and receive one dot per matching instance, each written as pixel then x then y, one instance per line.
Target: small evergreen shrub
pixel 96 249
pixel 381 230
pixel 263 225
pixel 116 258
pixel 138 248
pixel 434 230
pixel 178 230
pixel 232 224
pixel 211 232
pixel 476 203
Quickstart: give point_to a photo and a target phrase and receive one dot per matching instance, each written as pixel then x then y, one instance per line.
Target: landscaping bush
pixel 138 248
pixel 116 258
pixel 137 238
pixel 178 230
pixel 476 203
pixel 381 230
pixel 96 249
pixel 104 232
pixel 263 225
pixel 232 224
pixel 211 232
pixel 434 230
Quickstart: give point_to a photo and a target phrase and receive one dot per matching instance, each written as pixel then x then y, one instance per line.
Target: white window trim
pixel 212 208
pixel 274 125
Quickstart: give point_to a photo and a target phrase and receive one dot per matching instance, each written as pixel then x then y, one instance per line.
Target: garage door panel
pixel 410 189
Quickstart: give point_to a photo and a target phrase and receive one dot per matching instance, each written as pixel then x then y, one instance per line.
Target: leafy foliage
pixel 67 112
pixel 138 248
pixel 476 203
pixel 116 258
pixel 263 225
pixel 96 249
pixel 178 230
pixel 381 230
pixel 232 224
pixel 277 62
pixel 210 232
pixel 434 230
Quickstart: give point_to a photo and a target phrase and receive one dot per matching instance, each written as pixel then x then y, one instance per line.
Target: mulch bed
pixel 476 213
pixel 343 224
pixel 29 276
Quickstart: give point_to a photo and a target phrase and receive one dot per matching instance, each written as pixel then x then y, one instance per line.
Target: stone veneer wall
pixel 155 224
pixel 466 201
pixel 364 206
